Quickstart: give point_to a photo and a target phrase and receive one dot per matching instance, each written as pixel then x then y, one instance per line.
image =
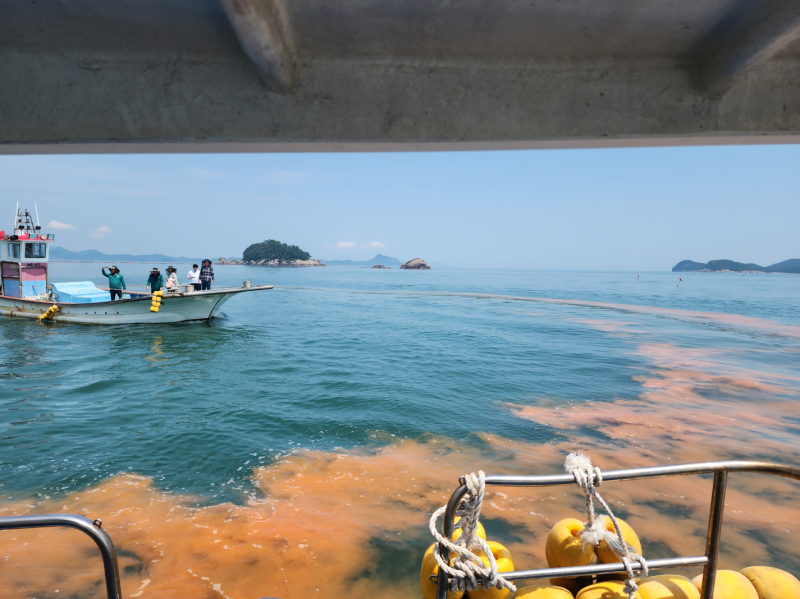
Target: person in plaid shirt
pixel 206 275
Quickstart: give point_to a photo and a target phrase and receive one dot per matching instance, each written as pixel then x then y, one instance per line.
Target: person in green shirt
pixel 116 282
pixel 155 281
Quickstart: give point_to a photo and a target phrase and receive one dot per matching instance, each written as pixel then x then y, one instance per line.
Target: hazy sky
pixel 632 209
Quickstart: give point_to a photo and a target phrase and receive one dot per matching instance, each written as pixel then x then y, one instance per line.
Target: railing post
pixel 92 528
pixel 447 533
pixel 714 533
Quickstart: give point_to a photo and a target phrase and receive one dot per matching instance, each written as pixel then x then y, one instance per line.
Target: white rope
pixel 468 571
pixel 588 478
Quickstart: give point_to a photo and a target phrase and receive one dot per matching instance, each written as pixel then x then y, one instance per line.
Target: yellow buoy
pixel 430 568
pixel 772 583
pixel 542 593
pixel 564 548
pixel 729 585
pixel 667 586
pixel 603 551
pixel 610 589
pixel 504 564
pixel 51 311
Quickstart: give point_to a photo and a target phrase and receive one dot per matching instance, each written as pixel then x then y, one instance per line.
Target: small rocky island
pixel 376 266
pixel 274 253
pixel 416 264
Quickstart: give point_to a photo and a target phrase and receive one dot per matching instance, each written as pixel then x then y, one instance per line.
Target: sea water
pixel 297 445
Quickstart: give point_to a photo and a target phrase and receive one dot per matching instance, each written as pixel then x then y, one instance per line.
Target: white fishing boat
pixel 26 290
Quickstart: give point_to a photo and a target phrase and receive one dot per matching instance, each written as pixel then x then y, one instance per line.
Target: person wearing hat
pixel 172 279
pixel 155 281
pixel 116 282
pixel 206 275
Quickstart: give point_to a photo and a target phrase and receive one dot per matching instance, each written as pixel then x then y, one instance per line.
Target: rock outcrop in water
pixel 416 264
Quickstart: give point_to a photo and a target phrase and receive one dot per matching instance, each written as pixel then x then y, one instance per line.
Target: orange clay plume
pixel 324 511
pixel 315 530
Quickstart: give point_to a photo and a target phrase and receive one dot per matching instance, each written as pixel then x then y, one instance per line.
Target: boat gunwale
pixel 144 296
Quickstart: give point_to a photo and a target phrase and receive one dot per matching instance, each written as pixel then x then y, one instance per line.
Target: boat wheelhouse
pixel 23 258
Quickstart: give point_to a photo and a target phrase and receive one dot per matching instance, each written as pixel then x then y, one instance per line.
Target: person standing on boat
pixel 172 279
pixel 194 277
pixel 155 281
pixel 206 275
pixel 116 282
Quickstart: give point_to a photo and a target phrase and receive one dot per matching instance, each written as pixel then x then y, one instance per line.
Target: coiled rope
pixel 588 478
pixel 468 571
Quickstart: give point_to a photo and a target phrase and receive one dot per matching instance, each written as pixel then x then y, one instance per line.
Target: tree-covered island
pixel 274 253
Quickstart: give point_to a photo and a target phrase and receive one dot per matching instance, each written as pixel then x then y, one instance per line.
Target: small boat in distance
pixel 26 291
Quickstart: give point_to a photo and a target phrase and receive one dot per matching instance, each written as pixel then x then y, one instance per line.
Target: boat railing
pixel 129 292
pixel 93 528
pixel 708 560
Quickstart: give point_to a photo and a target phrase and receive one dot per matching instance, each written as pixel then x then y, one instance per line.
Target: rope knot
pixel 631 587
pixel 580 467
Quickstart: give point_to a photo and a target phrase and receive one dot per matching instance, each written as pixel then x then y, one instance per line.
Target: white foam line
pixel 735 320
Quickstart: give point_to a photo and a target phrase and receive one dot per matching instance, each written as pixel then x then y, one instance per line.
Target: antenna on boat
pixel 37 214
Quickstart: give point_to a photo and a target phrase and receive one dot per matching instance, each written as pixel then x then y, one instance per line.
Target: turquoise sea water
pixel 341 359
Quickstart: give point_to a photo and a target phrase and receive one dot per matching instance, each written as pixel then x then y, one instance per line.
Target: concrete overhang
pixel 372 75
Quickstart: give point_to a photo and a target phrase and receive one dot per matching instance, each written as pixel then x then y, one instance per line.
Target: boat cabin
pixel 23 259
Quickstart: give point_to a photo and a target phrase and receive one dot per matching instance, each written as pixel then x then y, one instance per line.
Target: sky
pixel 642 209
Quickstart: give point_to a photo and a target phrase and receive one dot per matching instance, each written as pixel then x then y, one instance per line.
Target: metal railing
pixel 708 560
pixel 92 528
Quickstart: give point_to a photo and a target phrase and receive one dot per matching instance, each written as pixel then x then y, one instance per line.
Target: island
pixel 273 253
pixel 416 264
pixel 787 266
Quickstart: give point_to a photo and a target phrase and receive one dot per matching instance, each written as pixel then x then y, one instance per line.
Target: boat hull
pixel 175 307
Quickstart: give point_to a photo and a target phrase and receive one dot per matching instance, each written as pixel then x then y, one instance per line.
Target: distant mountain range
pixel 57 253
pixel 787 266
pixel 379 259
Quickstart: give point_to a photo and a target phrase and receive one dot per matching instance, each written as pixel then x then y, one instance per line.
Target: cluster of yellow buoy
pixel 156 303
pixel 758 582
pixel 564 548
pixel 51 311
pixel 430 568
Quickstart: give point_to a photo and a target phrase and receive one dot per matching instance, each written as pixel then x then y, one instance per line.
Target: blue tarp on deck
pixel 81 292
